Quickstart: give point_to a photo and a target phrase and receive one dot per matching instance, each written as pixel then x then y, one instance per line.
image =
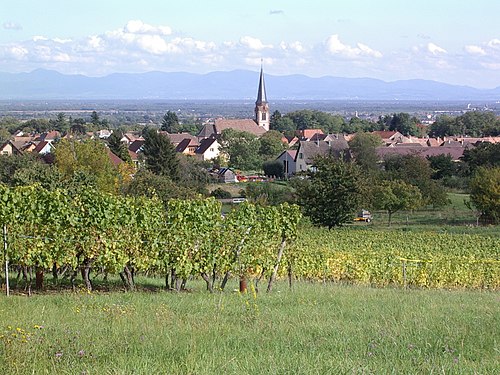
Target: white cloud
pixel 368 51
pixel 17 52
pixel 11 26
pixel 139 27
pixel 494 43
pixel 293 46
pixel 435 49
pixel 336 47
pixel 38 38
pixel 254 43
pixel 475 50
pixel 154 44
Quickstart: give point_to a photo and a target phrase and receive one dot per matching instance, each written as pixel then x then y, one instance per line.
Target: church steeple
pixel 261 104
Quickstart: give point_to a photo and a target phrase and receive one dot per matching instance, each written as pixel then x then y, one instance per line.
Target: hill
pixel 238 84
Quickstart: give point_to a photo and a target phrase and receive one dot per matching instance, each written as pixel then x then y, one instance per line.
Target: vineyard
pixel 92 233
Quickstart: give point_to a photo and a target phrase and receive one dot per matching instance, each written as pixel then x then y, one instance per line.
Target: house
pixel 308 151
pixel 257 126
pixel 43 148
pixel 290 141
pixel 187 146
pixel 287 157
pixel 308 134
pixel 390 136
pixel 9 148
pixel 104 133
pixel 455 152
pixel 136 146
pixel 208 149
pixel 226 175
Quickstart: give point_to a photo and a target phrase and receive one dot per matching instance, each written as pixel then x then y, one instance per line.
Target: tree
pixel 117 147
pixel 485 192
pixel 170 122
pixel 160 155
pixel 273 168
pixel 396 195
pixel 416 171
pixel 401 122
pixel 95 119
pixel 333 193
pixel 148 184
pixel 442 166
pixel 86 161
pixel 364 148
pixel 242 148
pixel 483 155
pixel 271 145
pixel 60 123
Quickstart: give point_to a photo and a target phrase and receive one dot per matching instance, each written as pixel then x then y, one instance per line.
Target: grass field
pixel 312 329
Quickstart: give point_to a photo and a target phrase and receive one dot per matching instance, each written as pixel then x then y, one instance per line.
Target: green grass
pixel 312 329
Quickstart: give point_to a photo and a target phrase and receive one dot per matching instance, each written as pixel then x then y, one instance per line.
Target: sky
pixel 451 41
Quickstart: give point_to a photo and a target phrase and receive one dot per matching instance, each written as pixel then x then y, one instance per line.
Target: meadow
pixel 314 328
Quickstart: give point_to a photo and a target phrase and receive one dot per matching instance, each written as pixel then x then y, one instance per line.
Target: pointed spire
pixel 261 94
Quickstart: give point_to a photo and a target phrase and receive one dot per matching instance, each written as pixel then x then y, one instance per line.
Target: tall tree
pixel 333 192
pixel 364 148
pixel 160 155
pixel 170 122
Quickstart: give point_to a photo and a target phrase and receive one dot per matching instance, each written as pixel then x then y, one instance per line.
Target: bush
pixel 220 194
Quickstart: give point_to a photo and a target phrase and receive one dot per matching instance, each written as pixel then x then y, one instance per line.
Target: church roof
pixel 261 94
pixel 246 125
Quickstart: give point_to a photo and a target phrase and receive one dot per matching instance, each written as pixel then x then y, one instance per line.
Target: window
pixel 212 149
pixel 264 116
pixel 301 155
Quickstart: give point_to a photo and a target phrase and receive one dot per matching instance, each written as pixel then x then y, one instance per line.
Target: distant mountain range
pixel 239 84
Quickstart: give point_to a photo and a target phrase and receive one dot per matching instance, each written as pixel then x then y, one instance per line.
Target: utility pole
pixel 6 259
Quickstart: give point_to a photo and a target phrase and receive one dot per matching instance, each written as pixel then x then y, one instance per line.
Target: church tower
pixel 262 114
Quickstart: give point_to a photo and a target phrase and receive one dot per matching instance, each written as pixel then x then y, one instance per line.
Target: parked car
pixel 364 215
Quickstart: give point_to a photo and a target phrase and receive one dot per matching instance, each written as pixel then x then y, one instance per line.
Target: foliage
pixel 308 119
pixel 333 193
pixel 117 147
pixel 90 157
pixel 395 195
pixel 401 122
pixel 473 124
pixel 160 155
pixel 194 175
pixel 442 166
pixel 416 171
pixel 274 168
pixel 434 259
pixel 485 192
pixel 170 122
pixel 271 145
pixel 243 149
pixel 364 148
pixel 148 184
pixel 220 193
pixel 269 193
pixel 483 155
pixel 282 124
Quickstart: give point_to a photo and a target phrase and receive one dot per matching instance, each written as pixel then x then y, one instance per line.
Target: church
pixel 257 126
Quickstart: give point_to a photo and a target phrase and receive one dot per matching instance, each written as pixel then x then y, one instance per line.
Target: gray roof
pixel 261 93
pixel 311 150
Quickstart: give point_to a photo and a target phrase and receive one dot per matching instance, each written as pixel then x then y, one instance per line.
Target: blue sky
pixel 453 41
